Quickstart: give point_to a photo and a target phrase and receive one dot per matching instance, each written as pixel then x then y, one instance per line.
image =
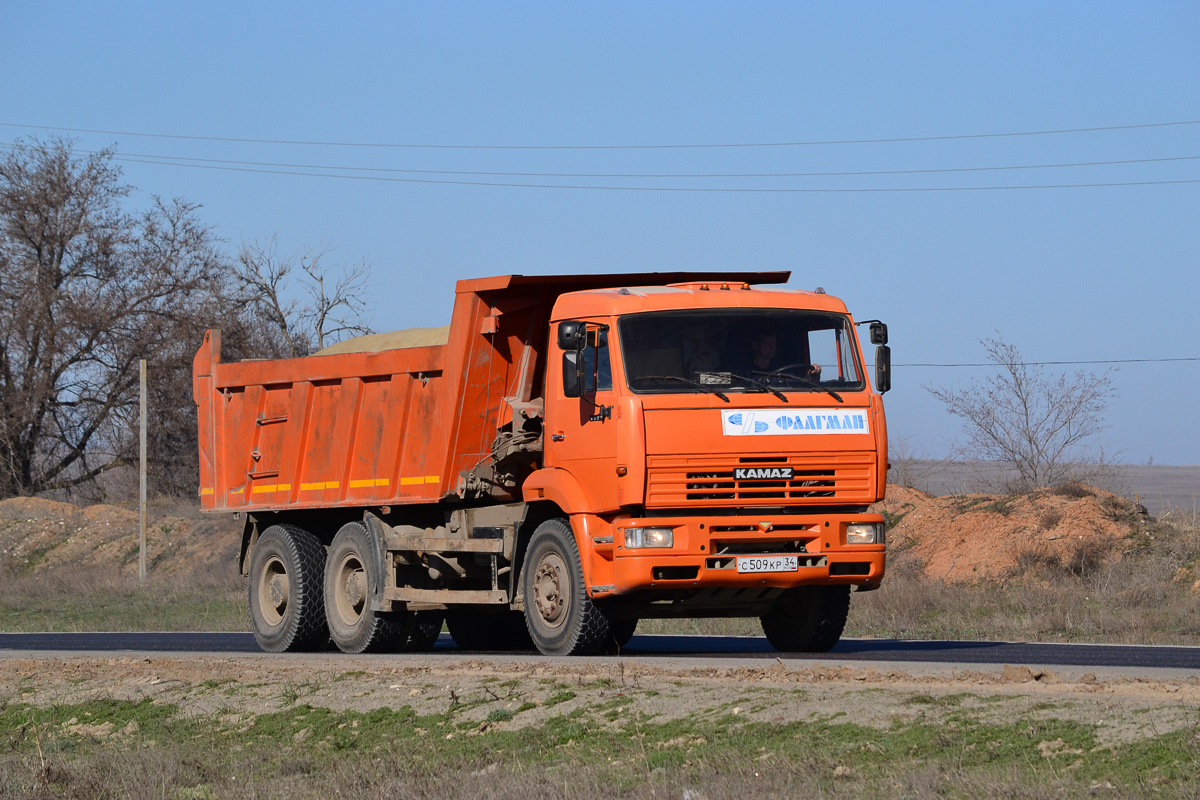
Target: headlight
pixel 864 534
pixel 649 537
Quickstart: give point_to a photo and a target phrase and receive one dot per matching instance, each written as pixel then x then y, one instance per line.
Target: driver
pixel 763 349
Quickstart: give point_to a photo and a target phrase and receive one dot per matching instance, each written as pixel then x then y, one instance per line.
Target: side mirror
pixel 878 333
pixel 572 366
pixel 572 339
pixel 883 365
pixel 572 335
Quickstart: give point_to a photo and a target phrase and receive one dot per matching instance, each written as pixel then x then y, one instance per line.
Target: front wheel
pixel 287 612
pixel 562 619
pixel 807 619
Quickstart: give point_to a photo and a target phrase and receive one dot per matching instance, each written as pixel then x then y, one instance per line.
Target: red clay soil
pixel 965 538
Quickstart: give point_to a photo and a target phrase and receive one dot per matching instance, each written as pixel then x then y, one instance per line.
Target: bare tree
pixel 337 304
pixel 1039 424
pixel 334 309
pixel 86 290
pixel 262 276
pixel 907 467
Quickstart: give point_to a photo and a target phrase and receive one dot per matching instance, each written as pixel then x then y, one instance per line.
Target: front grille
pixel 716 530
pixel 724 486
pixel 782 548
pixel 840 478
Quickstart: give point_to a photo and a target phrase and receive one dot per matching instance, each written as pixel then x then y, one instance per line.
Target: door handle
pixel 557 437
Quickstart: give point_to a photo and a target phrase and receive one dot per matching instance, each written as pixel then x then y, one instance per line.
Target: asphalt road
pixel 673 647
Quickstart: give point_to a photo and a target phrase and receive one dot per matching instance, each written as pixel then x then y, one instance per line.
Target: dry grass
pixel 64 599
pixel 145 775
pixel 1147 596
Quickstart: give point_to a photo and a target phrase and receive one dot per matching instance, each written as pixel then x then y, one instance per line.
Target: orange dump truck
pixel 570 455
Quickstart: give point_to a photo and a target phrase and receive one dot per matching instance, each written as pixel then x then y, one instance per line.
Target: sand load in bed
pixel 392 340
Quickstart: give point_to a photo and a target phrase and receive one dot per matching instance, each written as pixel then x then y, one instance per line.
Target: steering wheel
pixel 810 371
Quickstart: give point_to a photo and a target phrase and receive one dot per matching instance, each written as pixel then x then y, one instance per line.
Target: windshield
pixel 751 350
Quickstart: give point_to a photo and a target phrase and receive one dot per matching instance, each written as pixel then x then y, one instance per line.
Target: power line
pixel 694 146
pixel 685 189
pixel 1060 363
pixel 642 175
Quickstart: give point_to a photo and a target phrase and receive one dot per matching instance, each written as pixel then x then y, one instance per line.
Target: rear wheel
pixel 807 619
pixel 287 611
pixel 426 627
pixel 497 628
pixel 561 618
pixel 350 583
pixel 622 630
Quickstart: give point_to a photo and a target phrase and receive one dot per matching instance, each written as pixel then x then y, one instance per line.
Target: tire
pixel 807 619
pixel 350 581
pixel 287 609
pixel 561 618
pixel 476 628
pixel 426 627
pixel 622 630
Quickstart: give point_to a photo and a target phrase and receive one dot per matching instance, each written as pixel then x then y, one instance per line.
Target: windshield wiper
pixel 804 382
pixel 762 385
pixel 696 384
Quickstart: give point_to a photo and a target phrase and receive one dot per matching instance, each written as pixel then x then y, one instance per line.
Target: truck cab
pixel 714 445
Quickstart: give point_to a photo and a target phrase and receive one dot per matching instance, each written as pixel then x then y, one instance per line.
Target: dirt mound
pixel 35 508
pixel 955 538
pixel 983 537
pixel 38 534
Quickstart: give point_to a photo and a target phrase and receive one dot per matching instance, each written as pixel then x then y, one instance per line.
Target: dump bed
pixel 404 425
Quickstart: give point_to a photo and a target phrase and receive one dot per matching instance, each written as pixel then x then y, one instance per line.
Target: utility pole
pixel 142 476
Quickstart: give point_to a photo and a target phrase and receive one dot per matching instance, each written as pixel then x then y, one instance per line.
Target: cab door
pixel 581 432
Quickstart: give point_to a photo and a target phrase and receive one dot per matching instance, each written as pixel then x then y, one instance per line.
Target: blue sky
pixel 1103 272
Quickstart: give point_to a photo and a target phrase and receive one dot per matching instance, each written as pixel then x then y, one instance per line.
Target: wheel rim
pixel 550 590
pixel 274 590
pixel 350 589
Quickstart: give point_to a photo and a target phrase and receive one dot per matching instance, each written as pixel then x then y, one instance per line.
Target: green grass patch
pixel 63 747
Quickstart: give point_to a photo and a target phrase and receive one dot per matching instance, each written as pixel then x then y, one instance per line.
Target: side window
pixel 597 367
pixel 823 351
pixel 831 349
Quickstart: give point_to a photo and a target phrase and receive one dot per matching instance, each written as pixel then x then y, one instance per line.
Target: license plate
pixel 767 564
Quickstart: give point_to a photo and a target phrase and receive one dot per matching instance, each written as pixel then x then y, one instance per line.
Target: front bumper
pixel 705 552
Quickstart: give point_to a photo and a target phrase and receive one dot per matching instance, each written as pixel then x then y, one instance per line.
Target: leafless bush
pixel 1072 489
pixel 1021 416
pixel 1049 518
pixel 909 468
pixel 1087 557
pixel 1038 562
pixel 1117 509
